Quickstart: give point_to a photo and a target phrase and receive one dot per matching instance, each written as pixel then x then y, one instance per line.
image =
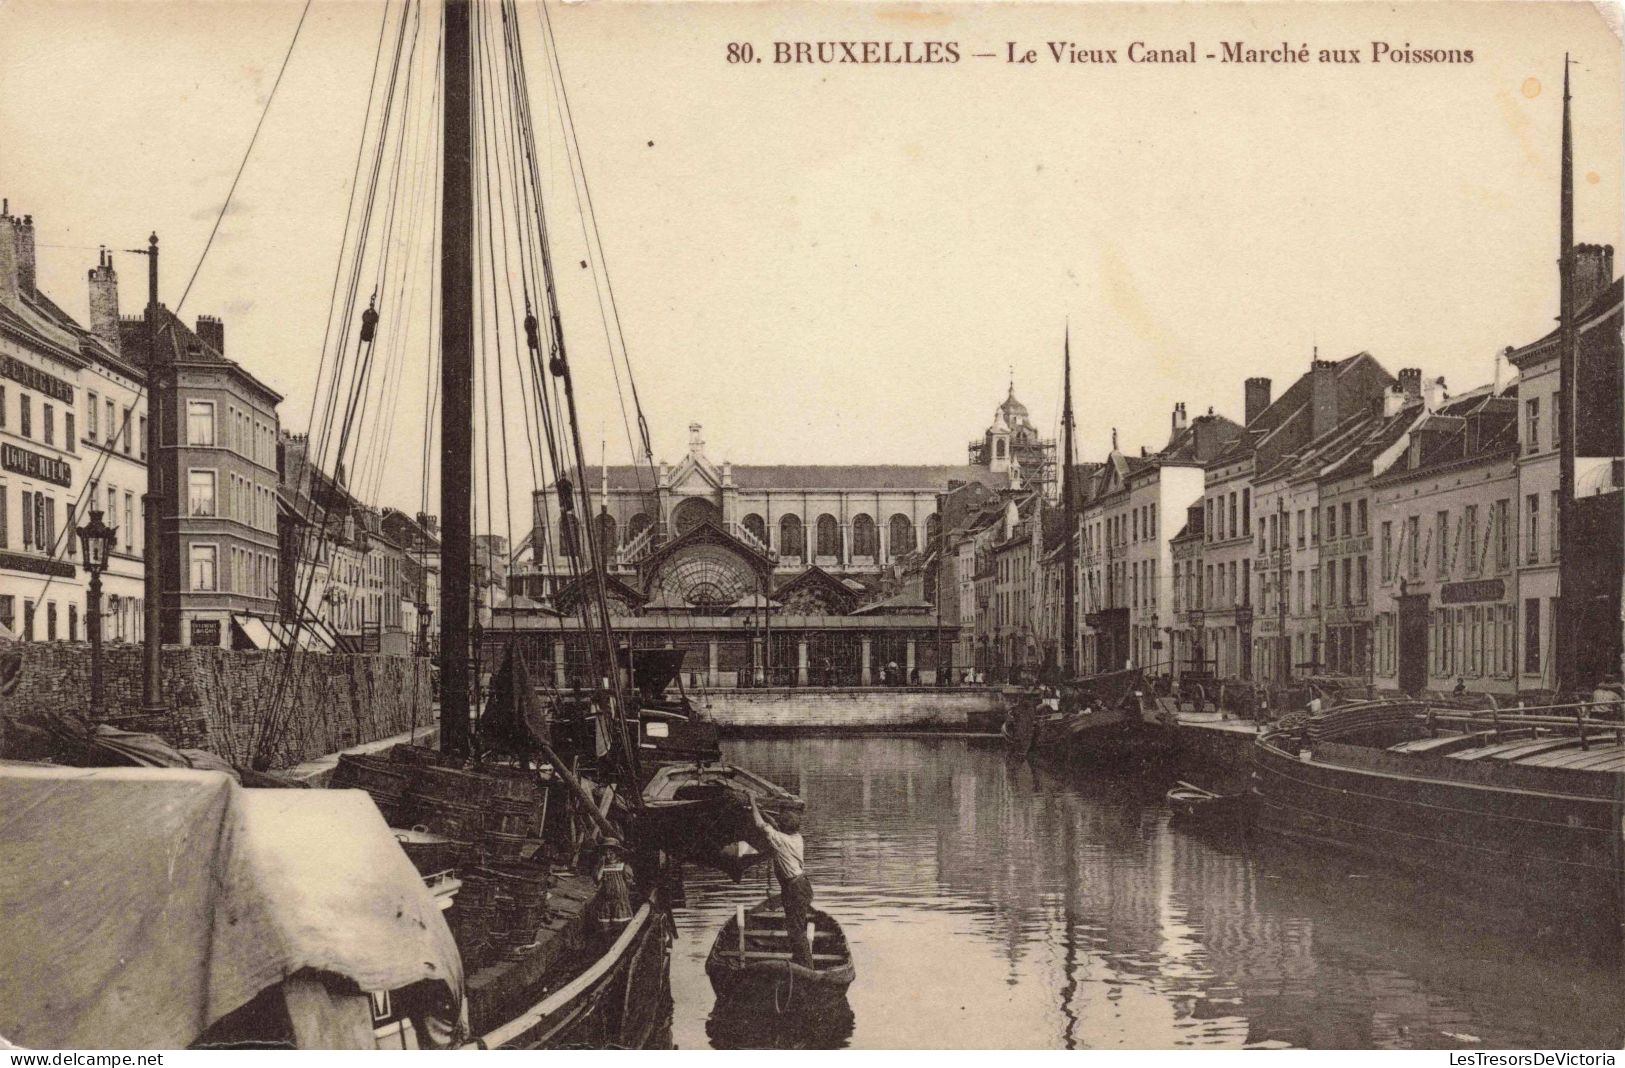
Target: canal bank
pixel 855 710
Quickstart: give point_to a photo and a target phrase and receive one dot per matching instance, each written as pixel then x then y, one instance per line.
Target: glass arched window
pixel 865 536
pixel 637 525
pixel 756 527
pixel 606 536
pixel 829 536
pixel 902 535
pixel 933 528
pixel 692 512
pixel 792 539
pixel 998 448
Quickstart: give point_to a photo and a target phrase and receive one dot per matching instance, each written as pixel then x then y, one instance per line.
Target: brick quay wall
pixel 222 700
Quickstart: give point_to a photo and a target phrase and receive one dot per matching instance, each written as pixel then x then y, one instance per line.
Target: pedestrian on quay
pixel 795 889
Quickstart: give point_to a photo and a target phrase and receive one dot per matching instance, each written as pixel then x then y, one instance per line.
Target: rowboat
pixel 1194 804
pixel 701 813
pixel 750 961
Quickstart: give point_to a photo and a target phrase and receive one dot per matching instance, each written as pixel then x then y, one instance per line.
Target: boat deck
pixel 497 990
pixel 1564 751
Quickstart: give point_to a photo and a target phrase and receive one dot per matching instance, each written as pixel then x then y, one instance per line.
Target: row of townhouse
pixel 363 579
pixel 74 440
pixel 1360 524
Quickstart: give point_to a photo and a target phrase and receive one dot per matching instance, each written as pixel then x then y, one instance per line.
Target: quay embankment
pixel 250 707
pixel 854 710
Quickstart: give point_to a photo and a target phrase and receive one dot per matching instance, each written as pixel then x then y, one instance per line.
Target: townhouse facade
pixel 1445 605
pixel 1127 555
pixel 42 468
pixel 1598 448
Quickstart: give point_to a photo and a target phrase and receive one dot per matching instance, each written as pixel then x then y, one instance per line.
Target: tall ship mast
pixel 1069 506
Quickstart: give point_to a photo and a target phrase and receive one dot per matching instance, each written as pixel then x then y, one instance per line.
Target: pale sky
pixel 844 263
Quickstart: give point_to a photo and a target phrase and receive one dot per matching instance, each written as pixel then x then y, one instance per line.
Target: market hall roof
pixel 932 477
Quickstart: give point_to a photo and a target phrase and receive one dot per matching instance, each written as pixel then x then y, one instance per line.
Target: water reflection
pixel 990 904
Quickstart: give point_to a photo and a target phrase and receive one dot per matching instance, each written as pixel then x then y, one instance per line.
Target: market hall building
pixel 770 574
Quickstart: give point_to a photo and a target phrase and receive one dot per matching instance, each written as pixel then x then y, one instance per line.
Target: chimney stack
pixel 1593 270
pixel 1434 394
pixel 1178 418
pixel 104 301
pixel 9 240
pixel 1257 398
pixel 1410 381
pixel 1323 394
pixel 212 332
pixel 25 255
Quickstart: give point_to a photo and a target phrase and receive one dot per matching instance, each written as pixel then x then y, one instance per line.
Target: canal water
pixel 991 904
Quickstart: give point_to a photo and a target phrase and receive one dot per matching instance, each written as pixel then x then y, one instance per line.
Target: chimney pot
pixel 1410 380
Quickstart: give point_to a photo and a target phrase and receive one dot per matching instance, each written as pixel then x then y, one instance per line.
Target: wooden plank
pixel 1599 758
pixel 765 954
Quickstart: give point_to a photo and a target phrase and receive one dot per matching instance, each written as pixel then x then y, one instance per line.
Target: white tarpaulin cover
pixel 140 905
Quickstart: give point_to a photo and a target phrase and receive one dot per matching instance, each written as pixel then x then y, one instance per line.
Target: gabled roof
pixel 180 344
pixel 1287 422
pixel 818 578
pixel 1378 437
pixel 903 604
pixel 706 532
pixel 1603 304
pixel 410 531
pixel 567 598
pixel 1476 424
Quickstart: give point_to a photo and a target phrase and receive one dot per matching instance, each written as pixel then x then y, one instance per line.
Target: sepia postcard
pixel 605 525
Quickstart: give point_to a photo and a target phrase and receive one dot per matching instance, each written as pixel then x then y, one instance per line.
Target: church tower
pixel 998 444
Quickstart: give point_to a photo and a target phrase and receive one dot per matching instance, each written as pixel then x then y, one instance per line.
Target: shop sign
pixel 35 465
pixel 1467 592
pixel 35 379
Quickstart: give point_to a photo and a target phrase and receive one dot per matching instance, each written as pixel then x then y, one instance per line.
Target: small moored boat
pixel 1194 804
pixel 750 961
pixel 701 813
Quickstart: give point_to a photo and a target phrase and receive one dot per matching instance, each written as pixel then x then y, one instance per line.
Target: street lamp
pixel 424 612
pixel 97 540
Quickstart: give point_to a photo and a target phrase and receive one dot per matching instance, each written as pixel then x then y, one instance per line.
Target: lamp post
pixel 424 612
pixel 96 539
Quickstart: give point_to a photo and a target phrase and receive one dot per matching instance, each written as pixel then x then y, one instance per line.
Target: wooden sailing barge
pixel 1527 806
pixel 1104 720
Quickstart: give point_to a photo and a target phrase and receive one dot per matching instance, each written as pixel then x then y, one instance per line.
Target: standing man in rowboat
pixel 795 889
